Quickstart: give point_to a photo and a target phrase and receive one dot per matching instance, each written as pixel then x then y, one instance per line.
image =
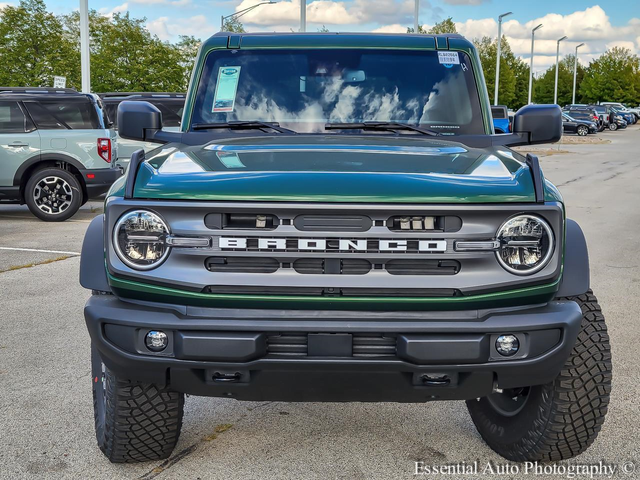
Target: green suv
pixel 337 221
pixel 56 150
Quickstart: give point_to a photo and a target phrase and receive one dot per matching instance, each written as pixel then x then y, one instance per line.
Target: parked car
pixel 606 115
pixel 628 117
pixel 580 127
pixel 405 260
pixel 500 118
pixel 169 104
pixel 56 150
pixel 586 114
pixel 624 108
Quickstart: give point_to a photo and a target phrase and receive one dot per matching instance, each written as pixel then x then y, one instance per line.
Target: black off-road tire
pixel 68 201
pixel 135 422
pixel 562 419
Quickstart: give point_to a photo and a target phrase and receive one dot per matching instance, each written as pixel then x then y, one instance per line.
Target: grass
pixel 35 264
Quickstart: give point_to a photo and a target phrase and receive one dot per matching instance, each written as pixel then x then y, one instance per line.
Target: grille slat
pixel 369 345
pixel 242 264
pixel 422 267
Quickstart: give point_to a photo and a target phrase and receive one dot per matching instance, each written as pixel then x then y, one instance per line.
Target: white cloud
pixel 118 9
pixel 169 28
pixel 395 28
pixel 2 5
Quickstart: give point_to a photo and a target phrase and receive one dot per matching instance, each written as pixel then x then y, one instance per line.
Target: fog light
pixel 156 341
pixel 507 345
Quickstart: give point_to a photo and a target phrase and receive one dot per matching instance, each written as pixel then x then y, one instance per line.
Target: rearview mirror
pixel 538 123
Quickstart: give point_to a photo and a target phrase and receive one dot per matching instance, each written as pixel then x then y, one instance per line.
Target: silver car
pixel 56 150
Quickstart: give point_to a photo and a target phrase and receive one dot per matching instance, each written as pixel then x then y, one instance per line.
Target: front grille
pixel 331 291
pixel 242 264
pixel 320 266
pixel 422 267
pixel 365 345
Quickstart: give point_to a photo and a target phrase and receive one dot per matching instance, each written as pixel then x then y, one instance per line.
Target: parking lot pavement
pixel 46 428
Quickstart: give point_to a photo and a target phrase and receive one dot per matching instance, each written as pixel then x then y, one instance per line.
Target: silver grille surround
pixel 480 271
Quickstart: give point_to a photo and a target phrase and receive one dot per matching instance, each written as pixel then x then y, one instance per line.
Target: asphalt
pixel 46 417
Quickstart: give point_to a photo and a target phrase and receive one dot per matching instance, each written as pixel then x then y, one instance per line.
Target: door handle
pixel 18 144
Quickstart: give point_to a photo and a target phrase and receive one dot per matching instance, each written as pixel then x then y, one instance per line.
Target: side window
pixel 12 120
pixel 73 115
pixel 43 118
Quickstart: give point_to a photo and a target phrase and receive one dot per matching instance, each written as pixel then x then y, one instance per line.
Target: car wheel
pixel 582 130
pixel 135 422
pixel 53 194
pixel 561 419
pixel 613 126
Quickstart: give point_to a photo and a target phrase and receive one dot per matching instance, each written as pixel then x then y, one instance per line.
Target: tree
pixel 324 29
pixel 613 77
pixel 188 47
pixel 445 26
pixel 233 25
pixel 34 47
pixel 125 57
pixel 546 84
pixel 488 52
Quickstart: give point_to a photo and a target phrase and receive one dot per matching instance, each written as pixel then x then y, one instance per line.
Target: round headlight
pixel 526 244
pixel 140 239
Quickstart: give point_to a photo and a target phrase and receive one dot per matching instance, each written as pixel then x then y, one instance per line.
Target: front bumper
pixel 240 353
pixel 99 180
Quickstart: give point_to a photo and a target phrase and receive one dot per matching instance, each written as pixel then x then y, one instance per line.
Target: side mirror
pixel 538 123
pixel 138 120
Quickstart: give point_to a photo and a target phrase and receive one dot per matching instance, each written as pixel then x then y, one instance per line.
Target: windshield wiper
pixel 391 126
pixel 243 125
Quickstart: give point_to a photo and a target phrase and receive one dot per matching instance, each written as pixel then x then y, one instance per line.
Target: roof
pixel 142 94
pixel 337 40
pixel 42 93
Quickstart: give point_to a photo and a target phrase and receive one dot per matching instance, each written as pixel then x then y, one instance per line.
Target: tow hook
pixel 436 379
pixel 226 377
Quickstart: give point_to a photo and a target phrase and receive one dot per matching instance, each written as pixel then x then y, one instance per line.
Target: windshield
pixel 304 89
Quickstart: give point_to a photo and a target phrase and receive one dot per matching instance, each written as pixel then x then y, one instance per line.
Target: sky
pixel 600 25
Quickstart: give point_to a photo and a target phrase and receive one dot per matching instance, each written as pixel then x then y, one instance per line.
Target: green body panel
pixel 308 168
pixel 154 293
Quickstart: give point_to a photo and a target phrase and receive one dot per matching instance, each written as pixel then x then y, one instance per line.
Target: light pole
pixel 533 32
pixel 241 13
pixel 416 23
pixel 85 68
pixel 555 89
pixel 495 96
pixel 575 69
pixel 303 15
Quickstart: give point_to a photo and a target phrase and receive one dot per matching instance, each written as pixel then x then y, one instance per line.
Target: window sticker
pixel 448 58
pixel 225 97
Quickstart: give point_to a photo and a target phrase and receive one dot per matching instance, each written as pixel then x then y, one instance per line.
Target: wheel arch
pixel 575 274
pixel 56 160
pixel 93 273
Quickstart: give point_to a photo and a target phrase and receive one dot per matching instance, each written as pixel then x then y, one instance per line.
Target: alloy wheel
pixel 53 195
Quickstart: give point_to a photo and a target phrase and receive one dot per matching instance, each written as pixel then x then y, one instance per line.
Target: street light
pixel 531 63
pixel 555 89
pixel 575 68
pixel 416 23
pixel 85 69
pixel 495 97
pixel 303 15
pixel 241 13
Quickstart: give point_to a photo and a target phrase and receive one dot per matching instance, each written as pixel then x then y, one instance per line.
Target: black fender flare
pixel 93 273
pixel 575 273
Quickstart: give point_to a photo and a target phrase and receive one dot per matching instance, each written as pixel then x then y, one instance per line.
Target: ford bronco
pixel 336 221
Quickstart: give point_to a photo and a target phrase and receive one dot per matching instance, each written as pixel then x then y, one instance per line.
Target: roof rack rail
pixel 37 90
pixel 142 94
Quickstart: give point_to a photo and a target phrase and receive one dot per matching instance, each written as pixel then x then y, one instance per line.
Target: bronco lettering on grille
pixel 332 245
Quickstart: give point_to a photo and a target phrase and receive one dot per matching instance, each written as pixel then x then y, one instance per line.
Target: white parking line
pixel 39 251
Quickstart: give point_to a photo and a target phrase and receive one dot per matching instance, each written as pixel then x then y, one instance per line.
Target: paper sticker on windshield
pixel 225 97
pixel 449 58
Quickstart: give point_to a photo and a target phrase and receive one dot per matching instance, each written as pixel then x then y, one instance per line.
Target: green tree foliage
pixel 445 26
pixel 488 51
pixel 612 77
pixel 34 47
pixel 545 85
pixel 233 25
